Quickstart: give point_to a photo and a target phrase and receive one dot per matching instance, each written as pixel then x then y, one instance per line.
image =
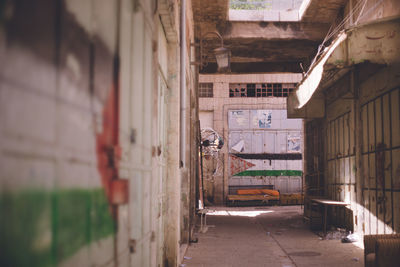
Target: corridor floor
pixel 266 236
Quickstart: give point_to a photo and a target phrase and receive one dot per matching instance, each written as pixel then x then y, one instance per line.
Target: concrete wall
pixel 217 185
pixel 57 83
pixel 89 96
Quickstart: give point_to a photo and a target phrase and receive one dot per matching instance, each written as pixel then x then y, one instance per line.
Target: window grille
pixel 206 90
pixel 261 89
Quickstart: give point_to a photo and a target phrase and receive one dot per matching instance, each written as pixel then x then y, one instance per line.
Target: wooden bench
pixel 251 195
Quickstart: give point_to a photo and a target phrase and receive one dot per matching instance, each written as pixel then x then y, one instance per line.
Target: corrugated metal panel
pixel 266 131
pixel 262 119
pixel 238 119
pixel 269 142
pixel 258 142
pixel 281 142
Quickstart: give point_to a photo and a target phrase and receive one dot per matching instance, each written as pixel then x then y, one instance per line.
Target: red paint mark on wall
pixel 108 150
pixel 239 165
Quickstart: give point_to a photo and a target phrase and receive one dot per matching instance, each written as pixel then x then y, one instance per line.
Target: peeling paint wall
pixel 57 77
pixel 88 95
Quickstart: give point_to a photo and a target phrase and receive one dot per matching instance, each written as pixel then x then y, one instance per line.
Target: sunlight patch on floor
pixel 242 213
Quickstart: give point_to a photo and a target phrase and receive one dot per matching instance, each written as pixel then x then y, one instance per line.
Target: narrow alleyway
pixel 121 119
pixel 266 236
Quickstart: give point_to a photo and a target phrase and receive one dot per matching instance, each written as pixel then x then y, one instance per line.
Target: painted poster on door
pixel 262 119
pixel 293 143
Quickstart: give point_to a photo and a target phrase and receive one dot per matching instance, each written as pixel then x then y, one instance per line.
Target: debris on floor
pixel 334 234
pixel 351 238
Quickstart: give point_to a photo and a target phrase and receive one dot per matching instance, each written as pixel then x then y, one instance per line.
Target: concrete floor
pixel 266 236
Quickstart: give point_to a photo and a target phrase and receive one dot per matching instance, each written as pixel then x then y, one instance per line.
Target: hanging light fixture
pixel 222 54
pixel 223 58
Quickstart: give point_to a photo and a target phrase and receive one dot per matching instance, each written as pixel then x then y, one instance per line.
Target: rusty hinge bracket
pixel 114 153
pixel 132 246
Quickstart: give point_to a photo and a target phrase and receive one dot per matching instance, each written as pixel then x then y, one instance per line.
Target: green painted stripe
pixel 41 228
pixel 270 173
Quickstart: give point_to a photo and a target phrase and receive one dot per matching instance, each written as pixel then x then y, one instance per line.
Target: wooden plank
pixel 251 197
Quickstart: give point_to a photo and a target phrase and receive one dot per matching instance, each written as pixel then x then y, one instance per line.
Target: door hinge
pixel 132 246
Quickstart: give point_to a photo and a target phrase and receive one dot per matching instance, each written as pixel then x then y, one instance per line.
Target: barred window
pixel 206 90
pixel 260 89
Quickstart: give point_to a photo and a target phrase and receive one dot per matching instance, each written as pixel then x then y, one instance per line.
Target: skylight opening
pixel 267 10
